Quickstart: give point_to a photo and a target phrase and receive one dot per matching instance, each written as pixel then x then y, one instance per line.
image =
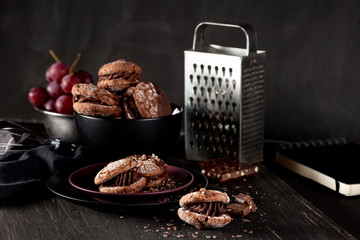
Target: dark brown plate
pixel 83 180
pixel 60 186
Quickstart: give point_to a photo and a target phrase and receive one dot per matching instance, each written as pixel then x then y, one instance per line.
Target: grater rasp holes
pixel 213 106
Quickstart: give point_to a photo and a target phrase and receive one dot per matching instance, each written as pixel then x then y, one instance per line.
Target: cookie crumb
pixel 236 236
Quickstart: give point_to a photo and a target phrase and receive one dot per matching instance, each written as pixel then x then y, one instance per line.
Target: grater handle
pixel 246 28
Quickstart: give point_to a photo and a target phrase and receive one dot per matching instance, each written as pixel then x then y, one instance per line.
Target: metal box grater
pixel 224 98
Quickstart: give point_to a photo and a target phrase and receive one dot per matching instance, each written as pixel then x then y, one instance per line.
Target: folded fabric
pixel 22 168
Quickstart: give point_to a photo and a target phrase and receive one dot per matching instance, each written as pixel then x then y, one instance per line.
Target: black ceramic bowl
pixel 114 138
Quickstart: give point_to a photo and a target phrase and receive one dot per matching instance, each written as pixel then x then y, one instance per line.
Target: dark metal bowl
pixel 59 125
pixel 114 138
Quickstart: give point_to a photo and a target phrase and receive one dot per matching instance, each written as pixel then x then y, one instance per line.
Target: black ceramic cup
pixel 115 138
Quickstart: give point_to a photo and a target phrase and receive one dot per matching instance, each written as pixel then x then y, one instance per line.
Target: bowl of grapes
pixel 54 102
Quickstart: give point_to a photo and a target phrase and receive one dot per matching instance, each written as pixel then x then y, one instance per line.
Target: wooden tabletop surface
pixel 282 214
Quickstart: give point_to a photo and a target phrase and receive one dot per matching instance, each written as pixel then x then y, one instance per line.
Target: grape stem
pixel 71 70
pixel 54 56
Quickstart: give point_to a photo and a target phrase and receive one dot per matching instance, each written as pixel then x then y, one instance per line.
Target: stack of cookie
pixel 120 94
pixel 132 174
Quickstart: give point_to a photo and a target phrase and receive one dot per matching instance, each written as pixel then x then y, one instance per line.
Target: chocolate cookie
pixel 156 180
pixel 129 107
pixel 151 101
pixel 204 209
pixel 119 75
pixel 151 166
pixel 120 177
pixel 91 100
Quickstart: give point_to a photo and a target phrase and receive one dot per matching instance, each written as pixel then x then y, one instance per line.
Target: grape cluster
pixel 56 97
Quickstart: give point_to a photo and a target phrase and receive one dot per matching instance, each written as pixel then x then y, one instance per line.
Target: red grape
pixel 54 90
pixel 68 82
pixel 49 105
pixel 84 76
pixel 56 71
pixel 63 104
pixel 37 96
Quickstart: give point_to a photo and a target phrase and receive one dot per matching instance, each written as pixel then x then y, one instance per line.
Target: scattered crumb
pixel 236 236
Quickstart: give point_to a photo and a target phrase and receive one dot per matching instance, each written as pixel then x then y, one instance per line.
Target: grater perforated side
pixel 224 100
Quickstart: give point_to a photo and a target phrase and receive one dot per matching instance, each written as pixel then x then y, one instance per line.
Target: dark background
pixel 313 52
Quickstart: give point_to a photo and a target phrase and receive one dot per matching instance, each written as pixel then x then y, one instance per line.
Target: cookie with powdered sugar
pixel 120 176
pixel 205 209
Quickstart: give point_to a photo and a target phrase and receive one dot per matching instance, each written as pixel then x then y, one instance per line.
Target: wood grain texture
pixel 311 87
pixel 282 214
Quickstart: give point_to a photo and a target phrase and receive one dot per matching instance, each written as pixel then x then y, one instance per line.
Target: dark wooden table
pixel 282 214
